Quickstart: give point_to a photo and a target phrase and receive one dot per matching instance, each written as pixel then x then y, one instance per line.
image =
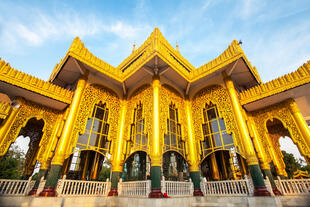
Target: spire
pixel 177 47
pixel 134 47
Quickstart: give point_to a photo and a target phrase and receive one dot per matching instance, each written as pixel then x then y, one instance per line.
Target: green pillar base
pixel 273 184
pixel 195 176
pixel 51 181
pixel 37 183
pixel 155 183
pixel 114 183
pixel 258 181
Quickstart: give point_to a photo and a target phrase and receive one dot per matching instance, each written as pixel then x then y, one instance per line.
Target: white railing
pixel 81 187
pixel 226 188
pixel 134 188
pixel 15 187
pixel 293 186
pixel 177 188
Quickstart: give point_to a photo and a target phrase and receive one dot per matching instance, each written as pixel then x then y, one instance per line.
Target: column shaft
pixel 192 151
pixel 62 146
pixel 258 181
pixel 156 155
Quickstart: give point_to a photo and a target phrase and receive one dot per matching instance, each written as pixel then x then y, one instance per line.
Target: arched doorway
pixel 174 166
pixel 137 167
pixel 26 147
pixel 223 165
pixel 87 165
pixel 277 130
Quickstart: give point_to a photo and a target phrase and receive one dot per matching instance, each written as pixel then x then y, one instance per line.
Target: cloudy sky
pixel 35 35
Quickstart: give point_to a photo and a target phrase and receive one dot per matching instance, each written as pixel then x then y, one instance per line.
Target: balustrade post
pixel 28 185
pixel 281 185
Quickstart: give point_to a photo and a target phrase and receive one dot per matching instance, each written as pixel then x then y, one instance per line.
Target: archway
pixel 137 167
pixel 277 130
pixel 27 146
pixel 174 166
pixel 87 165
pixel 223 165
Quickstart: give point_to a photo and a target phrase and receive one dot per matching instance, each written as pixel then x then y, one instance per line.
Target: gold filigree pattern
pixel 218 96
pixel 5 109
pixel 94 94
pixel 27 111
pixel 297 78
pixel 168 96
pixel 281 112
pixel 20 79
pixel 144 95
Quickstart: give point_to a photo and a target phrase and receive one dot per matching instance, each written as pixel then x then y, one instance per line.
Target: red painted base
pixel 113 192
pixel 276 191
pixel 197 192
pixel 33 192
pixel 261 191
pixel 48 192
pixel 156 193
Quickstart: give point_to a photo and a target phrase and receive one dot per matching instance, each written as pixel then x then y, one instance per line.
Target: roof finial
pixel 134 46
pixel 177 46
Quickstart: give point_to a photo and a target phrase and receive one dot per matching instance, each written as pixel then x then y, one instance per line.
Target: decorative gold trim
pixel 93 94
pixel 297 78
pixel 280 111
pixel 156 44
pixel 5 109
pixel 27 111
pixel 218 96
pixel 22 80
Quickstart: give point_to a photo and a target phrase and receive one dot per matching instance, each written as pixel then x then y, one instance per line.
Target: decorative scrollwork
pixel 168 96
pixel 27 111
pixel 144 95
pixel 281 112
pixel 218 96
pixel 94 94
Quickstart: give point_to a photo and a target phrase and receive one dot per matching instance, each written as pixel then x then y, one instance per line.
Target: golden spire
pixel 134 47
pixel 177 46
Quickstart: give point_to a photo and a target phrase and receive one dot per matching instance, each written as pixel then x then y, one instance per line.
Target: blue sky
pixel 35 35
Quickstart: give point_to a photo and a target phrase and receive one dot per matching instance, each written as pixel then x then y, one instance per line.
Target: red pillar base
pixel 156 193
pixel 276 192
pixel 48 192
pixel 197 192
pixel 113 192
pixel 261 191
pixel 33 192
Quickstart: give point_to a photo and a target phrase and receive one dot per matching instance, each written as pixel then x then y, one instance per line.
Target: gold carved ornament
pixel 218 96
pixel 143 95
pixel 168 96
pixel 281 112
pixel 27 111
pixel 94 94
pixel 5 109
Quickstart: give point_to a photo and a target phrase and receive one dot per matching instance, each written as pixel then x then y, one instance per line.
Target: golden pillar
pixel 117 157
pixel 85 167
pixel 258 181
pixel 225 173
pixel 261 154
pixel 7 123
pixel 155 148
pixel 214 167
pixel 192 151
pixel 301 123
pixel 277 160
pixel 64 141
pixel 95 166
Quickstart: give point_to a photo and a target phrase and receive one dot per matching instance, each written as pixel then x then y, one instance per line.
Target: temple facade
pixel 155 115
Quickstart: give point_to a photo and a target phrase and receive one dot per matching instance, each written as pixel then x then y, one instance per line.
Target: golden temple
pixel 155 115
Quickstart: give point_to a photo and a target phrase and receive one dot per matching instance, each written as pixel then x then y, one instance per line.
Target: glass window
pixel 214 131
pixel 173 139
pixel 97 129
pixel 138 136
